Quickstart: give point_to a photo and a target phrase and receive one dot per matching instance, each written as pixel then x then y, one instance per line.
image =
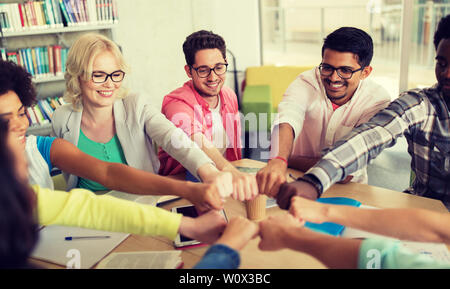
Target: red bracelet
pixel 280 158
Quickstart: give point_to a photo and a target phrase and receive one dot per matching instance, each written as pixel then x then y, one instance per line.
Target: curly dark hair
pixel 18 228
pixel 351 39
pixel 15 78
pixel 443 31
pixel 202 40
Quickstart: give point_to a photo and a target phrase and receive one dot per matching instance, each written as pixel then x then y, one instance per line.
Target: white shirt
pixel 38 171
pixel 306 107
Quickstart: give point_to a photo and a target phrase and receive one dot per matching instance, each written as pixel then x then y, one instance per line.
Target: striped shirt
pixel 423 117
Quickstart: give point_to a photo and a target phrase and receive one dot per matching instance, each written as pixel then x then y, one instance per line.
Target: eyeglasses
pixel 205 71
pixel 101 77
pixel 343 72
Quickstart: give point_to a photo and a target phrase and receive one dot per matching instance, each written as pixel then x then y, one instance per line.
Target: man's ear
pixel 366 71
pixel 188 70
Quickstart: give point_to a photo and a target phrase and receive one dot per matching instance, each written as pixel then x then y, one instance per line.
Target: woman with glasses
pixel 43 153
pixel 110 124
pixel 207 111
pixel 322 105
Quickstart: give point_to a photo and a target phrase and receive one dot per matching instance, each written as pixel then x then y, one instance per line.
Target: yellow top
pixel 82 208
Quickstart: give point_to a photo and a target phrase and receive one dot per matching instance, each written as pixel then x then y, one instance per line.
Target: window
pixel 293 32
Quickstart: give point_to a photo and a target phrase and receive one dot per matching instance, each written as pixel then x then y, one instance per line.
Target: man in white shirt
pixel 322 105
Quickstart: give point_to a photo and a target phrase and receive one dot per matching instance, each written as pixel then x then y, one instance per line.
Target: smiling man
pixel 322 105
pixel 421 115
pixel 207 111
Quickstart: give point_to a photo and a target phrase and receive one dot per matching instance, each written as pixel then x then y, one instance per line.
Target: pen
pixel 160 204
pixel 86 238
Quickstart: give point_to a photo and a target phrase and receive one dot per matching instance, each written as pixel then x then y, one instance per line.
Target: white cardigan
pixel 138 124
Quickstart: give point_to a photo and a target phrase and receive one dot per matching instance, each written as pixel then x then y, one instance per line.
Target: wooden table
pixel 251 256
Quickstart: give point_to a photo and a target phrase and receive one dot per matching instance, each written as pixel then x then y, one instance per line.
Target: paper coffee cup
pixel 256 208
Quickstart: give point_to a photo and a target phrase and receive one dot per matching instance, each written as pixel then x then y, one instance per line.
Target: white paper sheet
pixel 79 254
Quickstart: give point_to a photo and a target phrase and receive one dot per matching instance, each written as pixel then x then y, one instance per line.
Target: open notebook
pixel 142 260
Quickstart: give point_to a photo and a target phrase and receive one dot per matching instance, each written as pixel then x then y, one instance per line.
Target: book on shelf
pixel 32 116
pixel 44 14
pixel 42 112
pixel 41 62
pixel 3 53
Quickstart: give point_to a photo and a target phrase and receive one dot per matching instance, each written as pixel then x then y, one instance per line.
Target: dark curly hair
pixel 351 39
pixel 443 31
pixel 18 229
pixel 15 78
pixel 202 40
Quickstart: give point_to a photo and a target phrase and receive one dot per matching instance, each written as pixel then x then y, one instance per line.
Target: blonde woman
pixel 43 153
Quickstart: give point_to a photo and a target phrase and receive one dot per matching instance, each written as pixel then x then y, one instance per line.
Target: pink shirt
pixel 190 112
pixel 316 123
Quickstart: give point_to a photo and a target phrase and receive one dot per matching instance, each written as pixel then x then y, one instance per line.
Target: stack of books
pixel 40 62
pixel 42 112
pixel 44 14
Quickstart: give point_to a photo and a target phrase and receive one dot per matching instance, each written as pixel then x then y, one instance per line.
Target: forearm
pixel 208 173
pixel 176 143
pixel 127 179
pixel 281 142
pixel 331 251
pixel 302 163
pixel 406 224
pixel 212 152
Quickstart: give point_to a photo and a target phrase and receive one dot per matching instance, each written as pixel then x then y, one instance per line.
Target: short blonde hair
pixel 80 60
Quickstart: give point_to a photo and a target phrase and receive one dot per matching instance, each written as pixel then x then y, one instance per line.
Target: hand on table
pixel 211 195
pixel 308 210
pixel 273 231
pixel 297 188
pixel 244 185
pixel 206 228
pixel 271 177
pixel 238 233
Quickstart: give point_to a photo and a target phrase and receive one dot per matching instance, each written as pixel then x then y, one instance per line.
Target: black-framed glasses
pixel 101 77
pixel 205 71
pixel 343 72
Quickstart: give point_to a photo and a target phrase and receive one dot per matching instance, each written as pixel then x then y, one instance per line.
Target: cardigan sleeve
pixel 174 141
pixel 82 208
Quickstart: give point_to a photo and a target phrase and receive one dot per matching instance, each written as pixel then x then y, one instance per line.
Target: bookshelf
pixel 37 35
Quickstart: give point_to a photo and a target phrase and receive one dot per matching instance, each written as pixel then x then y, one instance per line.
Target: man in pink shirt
pixel 323 105
pixel 207 111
